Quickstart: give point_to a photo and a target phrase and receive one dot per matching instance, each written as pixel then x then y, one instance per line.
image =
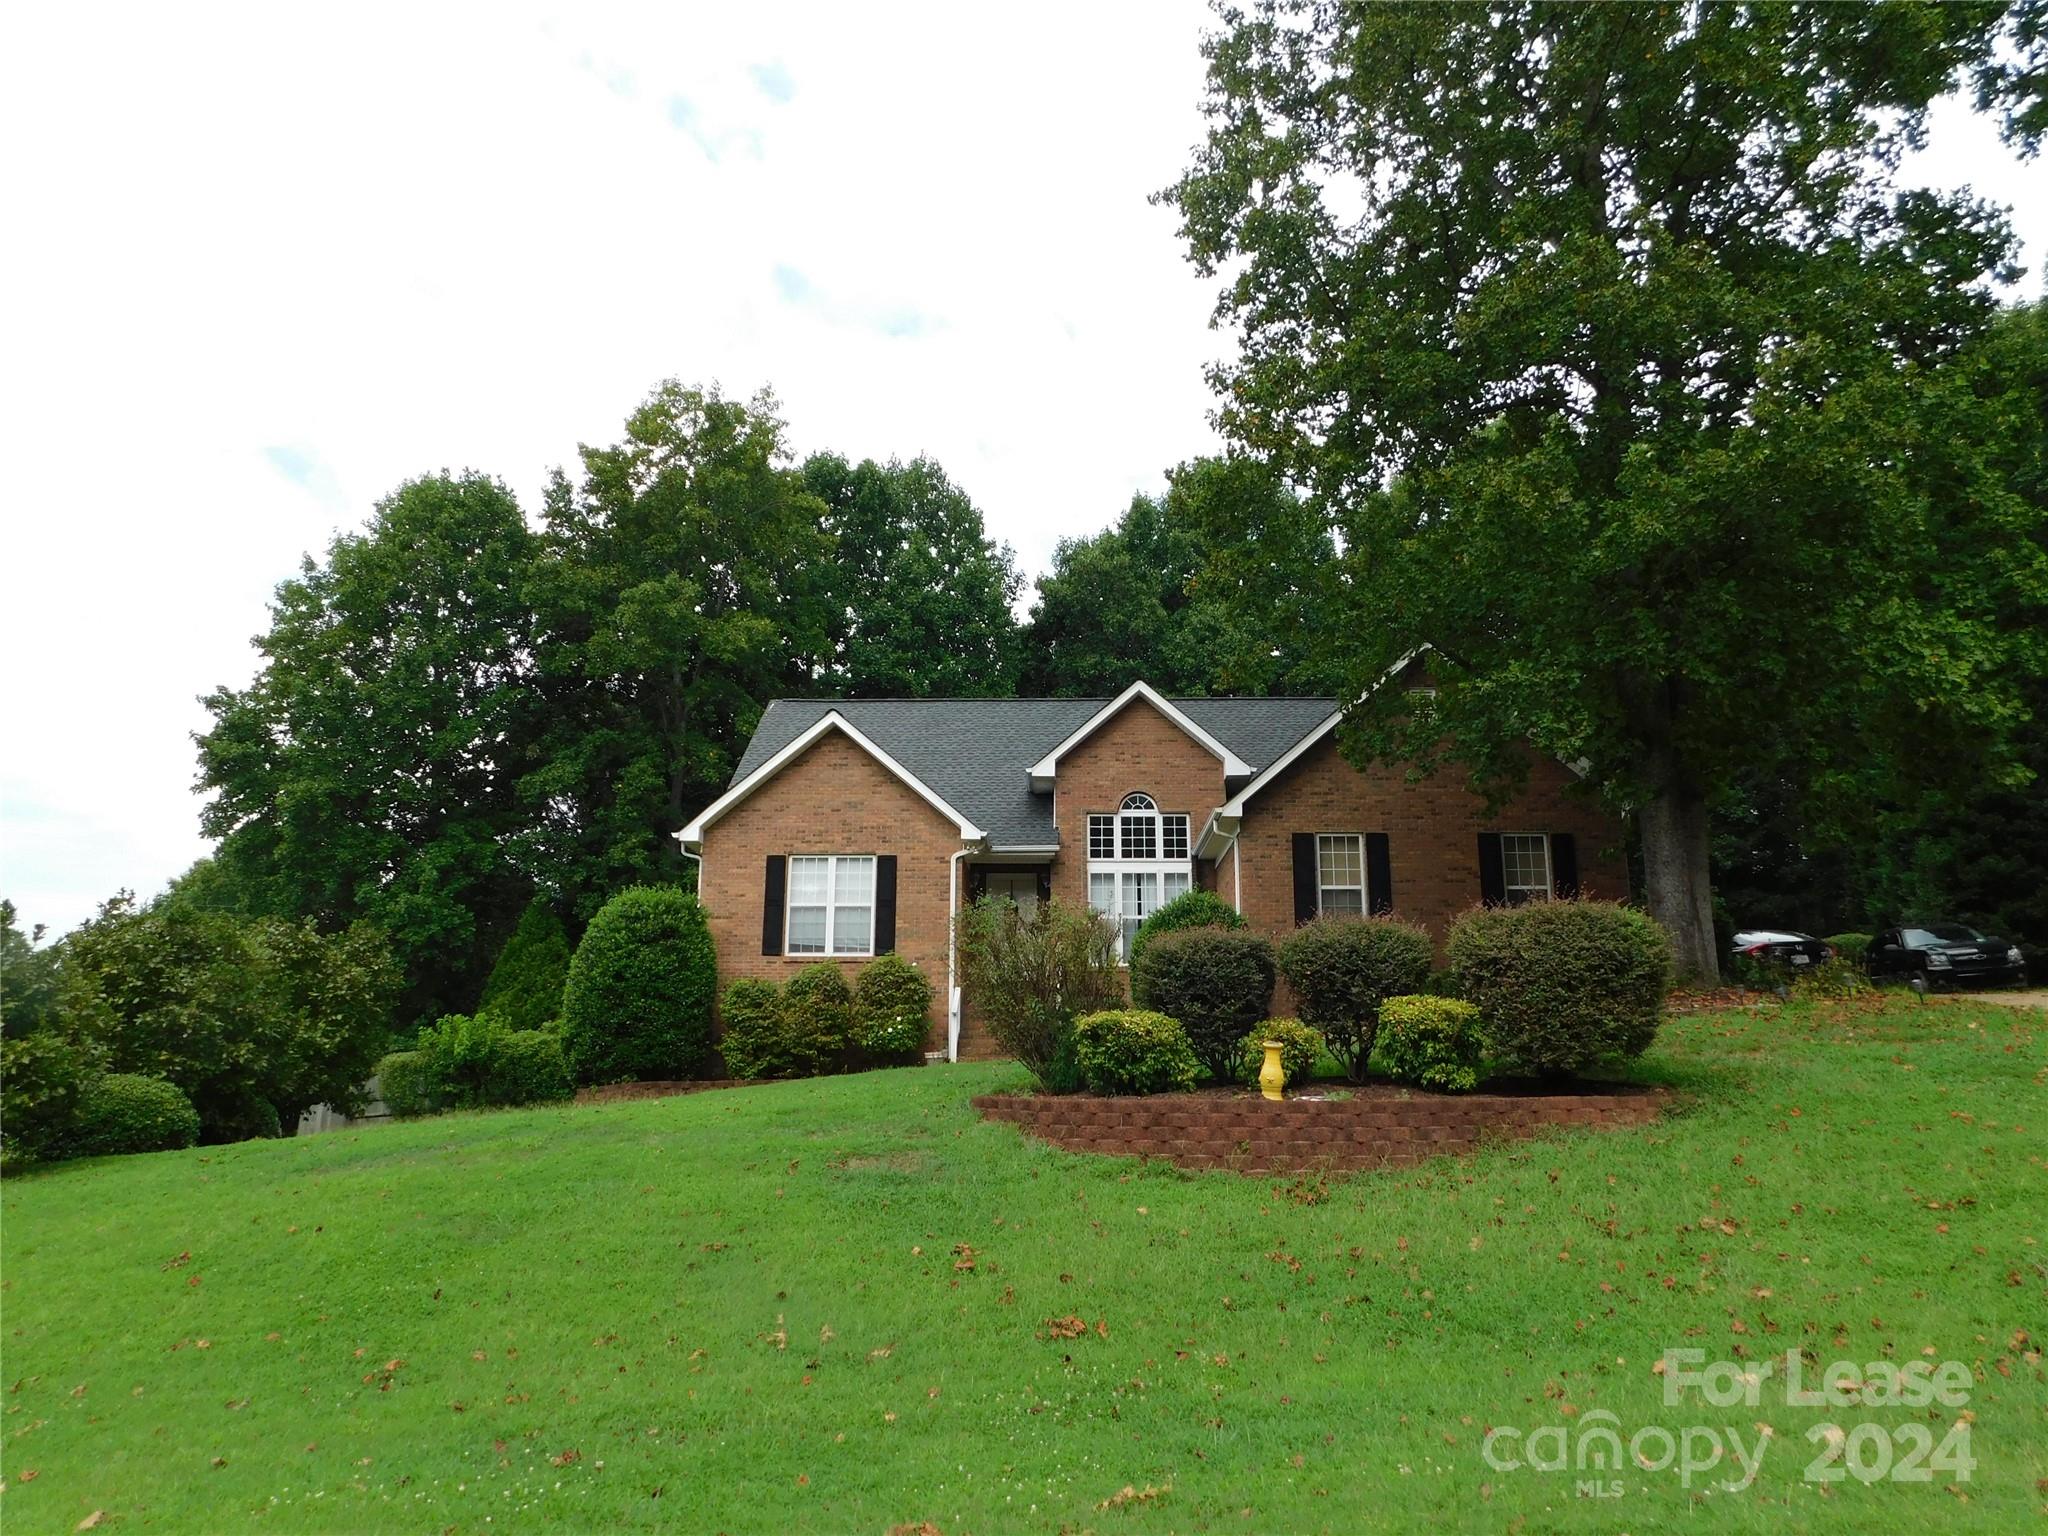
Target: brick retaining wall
pixel 1378 1126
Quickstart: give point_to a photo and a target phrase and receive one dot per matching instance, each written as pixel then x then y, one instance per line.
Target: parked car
pixel 1945 955
pixel 1778 948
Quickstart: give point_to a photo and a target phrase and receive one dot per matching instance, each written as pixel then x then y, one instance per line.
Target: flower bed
pixel 1375 1125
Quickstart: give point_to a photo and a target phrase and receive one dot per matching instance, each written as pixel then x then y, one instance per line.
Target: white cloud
pixel 266 263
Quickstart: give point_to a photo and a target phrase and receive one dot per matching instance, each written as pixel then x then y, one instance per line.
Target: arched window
pixel 1138 857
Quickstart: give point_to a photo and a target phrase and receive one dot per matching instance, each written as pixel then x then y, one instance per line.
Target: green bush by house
pixel 1131 1050
pixel 818 1005
pixel 1343 968
pixel 1561 985
pixel 638 1000
pixel 525 986
pixel 1217 982
pixel 474 1062
pixel 1195 908
pixel 1032 976
pixel 892 1008
pixel 1432 1042
pixel 1300 1049
pixel 754 1039
pixel 123 1112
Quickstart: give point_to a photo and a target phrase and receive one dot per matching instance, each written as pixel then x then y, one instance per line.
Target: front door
pixel 1018 885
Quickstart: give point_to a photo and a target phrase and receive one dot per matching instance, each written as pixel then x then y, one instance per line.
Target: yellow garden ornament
pixel 1272 1076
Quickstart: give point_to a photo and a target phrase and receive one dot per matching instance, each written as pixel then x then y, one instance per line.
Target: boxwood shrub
pixel 1562 984
pixel 1433 1042
pixel 528 1067
pixel 123 1112
pixel 755 1039
pixel 1343 968
pixel 1217 982
pixel 1131 1050
pixel 638 999
pixel 892 1007
pixel 817 1007
pixel 407 1085
pixel 1300 1049
pixel 1849 946
pixel 1194 908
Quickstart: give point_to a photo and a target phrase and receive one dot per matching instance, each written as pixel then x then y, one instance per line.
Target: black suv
pixel 1945 955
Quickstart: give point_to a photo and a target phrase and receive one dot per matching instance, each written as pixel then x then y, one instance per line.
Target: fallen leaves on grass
pixel 1130 1495
pixel 1068 1327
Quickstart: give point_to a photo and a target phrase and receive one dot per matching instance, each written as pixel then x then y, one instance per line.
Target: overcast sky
pixel 262 265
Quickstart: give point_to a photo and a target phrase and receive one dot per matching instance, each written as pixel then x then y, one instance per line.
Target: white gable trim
pixel 831 720
pixel 1046 768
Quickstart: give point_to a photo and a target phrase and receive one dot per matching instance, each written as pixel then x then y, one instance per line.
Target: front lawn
pixel 845 1304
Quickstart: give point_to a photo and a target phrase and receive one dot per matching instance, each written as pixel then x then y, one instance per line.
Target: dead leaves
pixel 1129 1495
pixel 1068 1327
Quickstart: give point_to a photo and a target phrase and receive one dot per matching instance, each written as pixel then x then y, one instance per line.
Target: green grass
pixel 745 1310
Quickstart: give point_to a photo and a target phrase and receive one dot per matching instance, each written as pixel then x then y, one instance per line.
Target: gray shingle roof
pixel 977 753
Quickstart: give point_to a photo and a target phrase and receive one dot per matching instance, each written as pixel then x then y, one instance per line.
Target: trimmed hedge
pixel 1562 984
pixel 1216 982
pixel 1300 1049
pixel 1343 968
pixel 640 989
pixel 892 1009
pixel 407 1085
pixel 756 1041
pixel 1131 1050
pixel 817 1006
pixel 122 1113
pixel 529 1068
pixel 1194 908
pixel 466 1062
pixel 1849 946
pixel 1433 1042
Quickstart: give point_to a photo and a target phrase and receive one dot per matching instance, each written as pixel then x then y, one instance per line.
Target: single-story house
pixel 857 827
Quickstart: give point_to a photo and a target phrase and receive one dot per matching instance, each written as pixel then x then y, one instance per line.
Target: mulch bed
pixel 1328 1127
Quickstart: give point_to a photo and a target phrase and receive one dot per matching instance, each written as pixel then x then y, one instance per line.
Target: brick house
pixel 858 827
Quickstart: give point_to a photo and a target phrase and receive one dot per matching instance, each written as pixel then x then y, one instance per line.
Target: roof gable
pixel 1046 769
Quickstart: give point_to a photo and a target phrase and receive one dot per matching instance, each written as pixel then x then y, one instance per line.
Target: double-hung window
pixel 1138 858
pixel 831 904
pixel 1525 867
pixel 1340 874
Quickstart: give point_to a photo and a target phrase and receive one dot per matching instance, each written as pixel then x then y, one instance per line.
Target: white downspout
pixel 953 954
pixel 698 860
pixel 1236 876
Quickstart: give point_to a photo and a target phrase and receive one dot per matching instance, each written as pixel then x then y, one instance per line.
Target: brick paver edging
pixel 1376 1127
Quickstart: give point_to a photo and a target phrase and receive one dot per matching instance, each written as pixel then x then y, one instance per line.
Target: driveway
pixel 2036 998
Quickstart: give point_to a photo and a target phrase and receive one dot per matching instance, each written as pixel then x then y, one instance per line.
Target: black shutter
pixel 1564 865
pixel 1305 894
pixel 772 889
pixel 1379 874
pixel 885 904
pixel 1045 882
pixel 1493 879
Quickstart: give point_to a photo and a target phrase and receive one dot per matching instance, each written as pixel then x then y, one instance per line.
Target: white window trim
pixel 1547 891
pixel 1364 886
pixel 1119 867
pixel 831 906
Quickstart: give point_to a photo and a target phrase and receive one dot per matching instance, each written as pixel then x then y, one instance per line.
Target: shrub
pixel 528 1067
pixel 755 1041
pixel 1130 1050
pixel 638 999
pixel 1300 1049
pixel 459 1053
pixel 1195 908
pixel 1343 968
pixel 1433 1042
pixel 1836 978
pixel 1562 984
pixel 44 1078
pixel 892 1008
pixel 1849 946
pixel 122 1113
pixel 525 989
pixel 1032 975
pixel 407 1085
pixel 1217 982
pixel 818 1005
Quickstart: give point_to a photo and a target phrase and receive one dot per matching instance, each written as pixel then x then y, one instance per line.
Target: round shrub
pixel 527 1067
pixel 1194 908
pixel 638 999
pixel 1433 1042
pixel 406 1084
pixel 1562 984
pixel 892 1005
pixel 756 1040
pixel 1130 1050
pixel 1217 982
pixel 1300 1049
pixel 123 1113
pixel 818 1008
pixel 1849 946
pixel 1343 968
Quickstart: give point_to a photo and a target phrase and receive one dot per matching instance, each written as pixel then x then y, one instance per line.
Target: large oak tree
pixel 1609 345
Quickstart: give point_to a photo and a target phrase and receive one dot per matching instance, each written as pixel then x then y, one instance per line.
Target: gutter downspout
pixel 698 860
pixel 953 954
pixel 1236 876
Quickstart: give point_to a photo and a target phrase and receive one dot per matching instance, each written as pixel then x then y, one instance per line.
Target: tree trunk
pixel 1673 824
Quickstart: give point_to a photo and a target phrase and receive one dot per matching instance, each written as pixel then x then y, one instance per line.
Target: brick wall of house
pixel 832 799
pixel 1140 749
pixel 1432 834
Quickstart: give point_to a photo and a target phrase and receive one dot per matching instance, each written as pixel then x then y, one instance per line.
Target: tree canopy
pixel 1607 346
